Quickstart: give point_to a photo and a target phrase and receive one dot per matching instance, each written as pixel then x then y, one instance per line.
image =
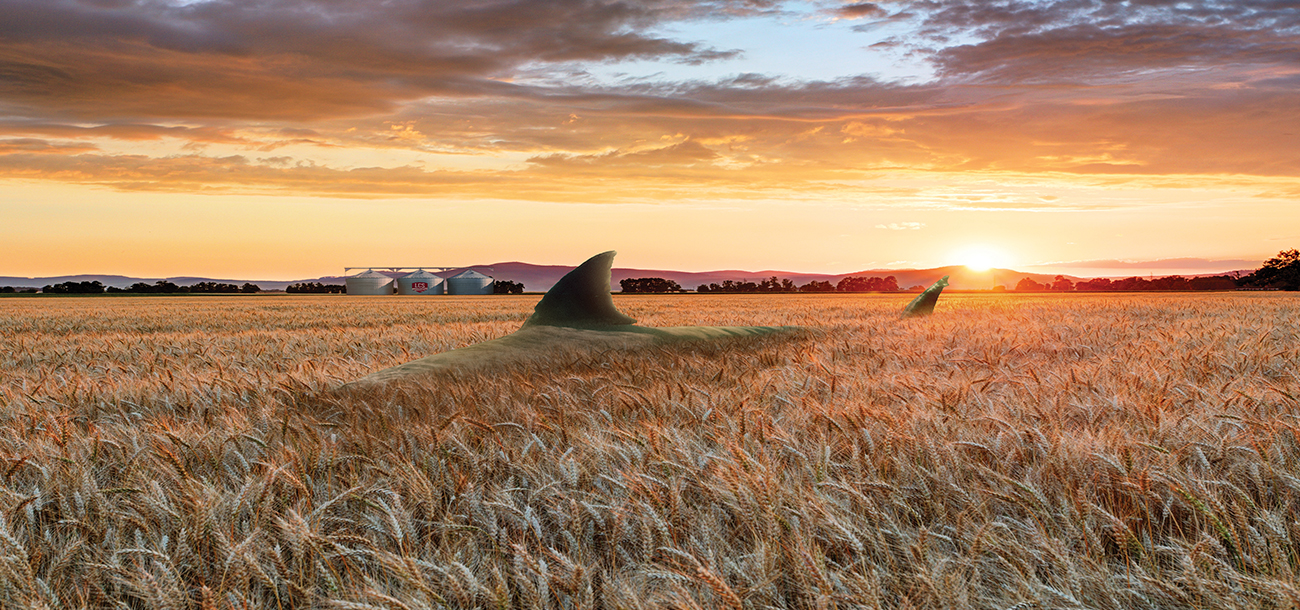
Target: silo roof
pixel 421 275
pixel 470 274
pixel 371 273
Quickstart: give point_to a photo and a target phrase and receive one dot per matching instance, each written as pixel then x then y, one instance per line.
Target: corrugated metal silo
pixel 469 282
pixel 369 282
pixel 421 282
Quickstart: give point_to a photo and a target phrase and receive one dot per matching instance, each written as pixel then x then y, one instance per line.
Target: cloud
pixel 121 131
pixel 902 226
pixel 37 146
pixel 685 153
pixel 1167 265
pixel 1046 41
pixel 1187 267
pixel 1077 87
pixel 300 59
pixel 860 10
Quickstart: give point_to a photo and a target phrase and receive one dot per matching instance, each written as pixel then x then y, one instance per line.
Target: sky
pixel 282 139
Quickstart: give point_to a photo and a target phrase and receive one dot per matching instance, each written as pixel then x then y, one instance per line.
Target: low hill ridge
pixel 539 278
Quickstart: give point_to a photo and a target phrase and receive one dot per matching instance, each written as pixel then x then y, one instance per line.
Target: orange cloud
pixel 355 99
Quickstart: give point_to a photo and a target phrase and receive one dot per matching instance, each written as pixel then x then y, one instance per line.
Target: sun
pixel 981 257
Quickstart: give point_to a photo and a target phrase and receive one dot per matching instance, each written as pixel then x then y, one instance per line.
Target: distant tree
pixel 775 284
pixel 249 288
pixel 648 285
pixel 1060 284
pixel 507 287
pixel 771 284
pixel 817 286
pixel 1214 282
pixel 315 288
pixel 868 284
pixel 1096 284
pixel 1029 285
pixel 1172 282
pixel 7 289
pixel 91 287
pixel 1281 271
pixel 166 287
pixel 212 287
pixel 1130 284
pixel 851 284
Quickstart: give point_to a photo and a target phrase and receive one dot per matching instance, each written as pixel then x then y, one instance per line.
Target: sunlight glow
pixel 981 257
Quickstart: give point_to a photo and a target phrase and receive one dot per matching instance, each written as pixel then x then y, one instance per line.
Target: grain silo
pixel 369 282
pixel 421 282
pixel 469 282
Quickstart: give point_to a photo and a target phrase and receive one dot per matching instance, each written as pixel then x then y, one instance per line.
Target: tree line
pixel 1129 284
pixel 775 284
pixel 315 288
pixel 159 287
pixel 649 285
pixel 1281 272
pixel 507 287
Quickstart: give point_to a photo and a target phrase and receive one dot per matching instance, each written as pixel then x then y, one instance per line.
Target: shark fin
pixel 581 298
pixel 923 304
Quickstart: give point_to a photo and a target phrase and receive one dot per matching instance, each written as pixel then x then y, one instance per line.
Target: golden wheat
pixel 1117 451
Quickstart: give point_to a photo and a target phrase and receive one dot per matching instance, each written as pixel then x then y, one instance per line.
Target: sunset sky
pixel 281 139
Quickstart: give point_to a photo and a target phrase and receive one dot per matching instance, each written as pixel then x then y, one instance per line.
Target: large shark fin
pixel 923 304
pixel 581 298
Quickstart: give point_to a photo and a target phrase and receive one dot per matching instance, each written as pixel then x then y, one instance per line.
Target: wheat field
pixel 1116 451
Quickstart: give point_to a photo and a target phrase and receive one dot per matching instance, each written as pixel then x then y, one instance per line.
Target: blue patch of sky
pixel 788 46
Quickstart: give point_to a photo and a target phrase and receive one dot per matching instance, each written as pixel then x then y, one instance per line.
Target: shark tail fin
pixel 923 304
pixel 581 298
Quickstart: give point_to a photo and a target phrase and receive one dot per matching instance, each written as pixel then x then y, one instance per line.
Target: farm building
pixel 421 282
pixel 469 282
pixel 369 282
pixel 416 281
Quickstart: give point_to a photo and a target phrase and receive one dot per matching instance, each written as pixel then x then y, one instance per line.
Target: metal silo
pixel 420 282
pixel 369 282
pixel 469 282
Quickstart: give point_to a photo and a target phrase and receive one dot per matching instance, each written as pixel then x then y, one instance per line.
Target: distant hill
pixel 122 281
pixel 539 278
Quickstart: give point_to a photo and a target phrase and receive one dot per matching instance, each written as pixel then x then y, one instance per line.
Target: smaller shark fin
pixel 923 304
pixel 581 298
